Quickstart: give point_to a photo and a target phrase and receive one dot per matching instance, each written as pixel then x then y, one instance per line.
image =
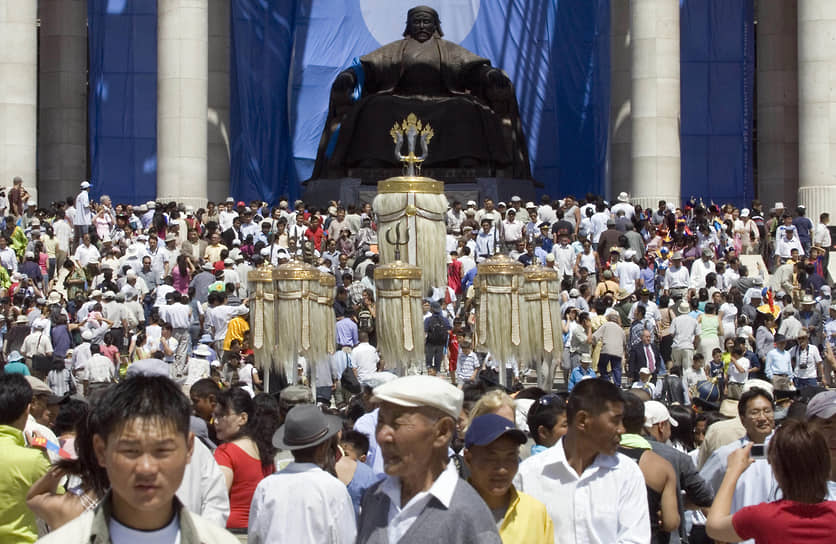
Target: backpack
pixel 437 330
pixel 365 321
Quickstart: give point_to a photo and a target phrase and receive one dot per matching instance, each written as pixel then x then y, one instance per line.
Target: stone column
pixel 654 30
pixel 620 171
pixel 182 73
pixel 777 51
pixel 18 92
pixel 218 121
pixel 62 109
pixel 817 106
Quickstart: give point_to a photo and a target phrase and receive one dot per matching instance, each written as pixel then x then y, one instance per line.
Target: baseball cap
pixel 656 412
pixel 487 428
pixel 823 405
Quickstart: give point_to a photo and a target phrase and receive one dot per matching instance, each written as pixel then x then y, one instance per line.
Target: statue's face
pixel 421 26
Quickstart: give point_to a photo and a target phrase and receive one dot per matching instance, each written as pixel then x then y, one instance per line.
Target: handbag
pixel 349 380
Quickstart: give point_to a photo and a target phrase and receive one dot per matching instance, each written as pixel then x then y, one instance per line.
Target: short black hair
pixel 544 414
pixel 751 394
pixel 15 396
pixel 204 387
pixel 70 414
pixel 143 397
pixel 357 440
pixel 592 396
pixel 633 413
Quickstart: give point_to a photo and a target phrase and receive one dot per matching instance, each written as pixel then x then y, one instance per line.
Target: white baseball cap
pixel 656 412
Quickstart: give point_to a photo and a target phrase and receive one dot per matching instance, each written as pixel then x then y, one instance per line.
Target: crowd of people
pixel 698 347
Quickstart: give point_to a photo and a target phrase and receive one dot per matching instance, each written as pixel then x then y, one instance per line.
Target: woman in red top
pixel 246 425
pixel 315 232
pixel 800 460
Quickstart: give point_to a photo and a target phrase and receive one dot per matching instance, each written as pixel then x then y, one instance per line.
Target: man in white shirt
pixel 624 205
pixel 821 236
pixel 564 258
pixel 303 502
pixel 83 212
pixel 592 493
pixel 701 268
pixel 676 277
pixel 364 358
pixel 218 316
pixel 85 252
pixel 225 217
pixel 486 240
pixel 628 272
pixel 8 257
pixel 756 412
pixel 512 230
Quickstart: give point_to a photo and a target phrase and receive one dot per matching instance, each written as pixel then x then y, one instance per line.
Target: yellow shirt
pixel 526 521
pixel 22 467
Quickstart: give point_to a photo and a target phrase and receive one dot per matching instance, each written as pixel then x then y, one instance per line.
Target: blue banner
pixel 261 39
pixel 122 103
pixel 717 81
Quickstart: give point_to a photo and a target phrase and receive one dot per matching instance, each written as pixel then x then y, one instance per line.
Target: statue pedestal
pixel 317 192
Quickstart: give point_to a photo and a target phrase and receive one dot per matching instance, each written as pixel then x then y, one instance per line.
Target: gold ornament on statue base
pixel 297 324
pixel 416 204
pixel 263 318
pixel 542 336
pixel 400 317
pixel 499 323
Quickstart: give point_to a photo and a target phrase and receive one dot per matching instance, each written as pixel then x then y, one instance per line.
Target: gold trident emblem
pixel 411 129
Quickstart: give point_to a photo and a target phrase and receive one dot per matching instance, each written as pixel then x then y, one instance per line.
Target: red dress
pixel 247 473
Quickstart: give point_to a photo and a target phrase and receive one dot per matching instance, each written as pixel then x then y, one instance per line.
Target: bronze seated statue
pixel 470 104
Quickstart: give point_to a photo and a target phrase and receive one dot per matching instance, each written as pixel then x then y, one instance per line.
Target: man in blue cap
pixel 492 453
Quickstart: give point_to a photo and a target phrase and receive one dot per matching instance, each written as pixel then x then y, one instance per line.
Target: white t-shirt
pixel 121 534
pixel 808 357
pixel 737 376
pixel 83 214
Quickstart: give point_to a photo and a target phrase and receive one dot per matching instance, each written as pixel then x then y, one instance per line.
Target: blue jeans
pixel 805 382
pixel 613 361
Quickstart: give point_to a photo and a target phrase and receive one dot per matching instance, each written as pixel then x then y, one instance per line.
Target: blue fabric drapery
pixel 122 103
pixel 717 78
pixel 260 145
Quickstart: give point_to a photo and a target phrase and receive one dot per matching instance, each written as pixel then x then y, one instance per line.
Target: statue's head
pixel 422 22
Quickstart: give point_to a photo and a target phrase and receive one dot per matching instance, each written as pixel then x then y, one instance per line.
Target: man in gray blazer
pixel 422 498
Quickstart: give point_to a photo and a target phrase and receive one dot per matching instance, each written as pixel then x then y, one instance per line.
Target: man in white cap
pixel 677 277
pixel 701 268
pixel 422 498
pixel 83 212
pixel 624 205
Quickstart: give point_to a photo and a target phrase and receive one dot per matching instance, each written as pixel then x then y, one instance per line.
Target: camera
pixel 758 451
